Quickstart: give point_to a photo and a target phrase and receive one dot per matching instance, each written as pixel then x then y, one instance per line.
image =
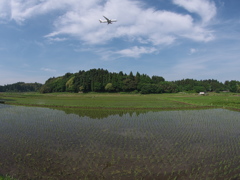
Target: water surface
pixel 43 143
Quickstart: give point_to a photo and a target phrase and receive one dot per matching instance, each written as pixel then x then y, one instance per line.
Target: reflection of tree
pixel 101 113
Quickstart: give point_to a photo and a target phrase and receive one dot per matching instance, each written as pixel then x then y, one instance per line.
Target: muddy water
pixel 42 143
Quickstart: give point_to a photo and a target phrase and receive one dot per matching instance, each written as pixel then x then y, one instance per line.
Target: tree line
pixel 21 87
pixel 100 80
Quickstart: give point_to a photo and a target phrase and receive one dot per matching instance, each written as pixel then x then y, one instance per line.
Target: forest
pixel 21 87
pixel 100 80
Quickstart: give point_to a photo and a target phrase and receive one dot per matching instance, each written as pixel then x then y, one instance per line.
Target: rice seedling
pixel 42 143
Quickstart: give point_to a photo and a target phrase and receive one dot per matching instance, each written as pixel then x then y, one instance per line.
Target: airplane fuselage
pixel 109 21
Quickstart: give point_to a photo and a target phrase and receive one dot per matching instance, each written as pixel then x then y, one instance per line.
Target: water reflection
pixel 102 113
pixel 43 143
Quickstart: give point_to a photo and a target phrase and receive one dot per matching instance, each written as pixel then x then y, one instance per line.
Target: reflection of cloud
pixel 48 70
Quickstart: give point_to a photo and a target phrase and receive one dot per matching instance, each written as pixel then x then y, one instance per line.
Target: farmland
pixel 124 101
pixel 43 143
pixel 119 136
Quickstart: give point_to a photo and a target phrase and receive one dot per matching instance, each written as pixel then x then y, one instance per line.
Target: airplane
pixel 109 21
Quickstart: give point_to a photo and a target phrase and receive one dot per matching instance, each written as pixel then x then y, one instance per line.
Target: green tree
pixel 109 87
pixel 233 86
pixel 157 79
pixel 238 89
pixel 168 87
pixel 129 85
pixel 70 85
pixel 199 89
pixel 149 88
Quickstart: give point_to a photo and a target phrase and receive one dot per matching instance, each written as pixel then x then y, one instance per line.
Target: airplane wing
pixel 109 21
pixel 106 18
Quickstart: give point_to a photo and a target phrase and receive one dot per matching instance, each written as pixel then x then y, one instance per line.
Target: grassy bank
pixel 124 101
pixel 6 178
pixel 221 100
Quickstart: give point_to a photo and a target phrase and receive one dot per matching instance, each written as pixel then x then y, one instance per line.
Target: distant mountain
pixel 21 87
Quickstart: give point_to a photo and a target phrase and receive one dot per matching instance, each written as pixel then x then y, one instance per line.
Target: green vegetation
pixel 42 143
pixel 125 101
pixel 111 135
pixel 21 87
pixel 6 178
pixel 220 100
pixel 99 80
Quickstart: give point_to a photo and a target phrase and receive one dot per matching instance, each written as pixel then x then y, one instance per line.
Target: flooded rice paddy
pixel 43 143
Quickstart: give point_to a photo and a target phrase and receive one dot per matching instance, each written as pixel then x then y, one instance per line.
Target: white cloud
pixel 136 51
pixel 20 10
pixel 212 62
pixel 4 9
pixel 136 23
pixel 110 54
pixel 48 70
pixel 151 26
pixel 206 9
pixel 57 39
pixel 193 50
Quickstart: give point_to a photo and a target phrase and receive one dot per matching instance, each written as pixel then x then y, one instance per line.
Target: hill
pixel 100 80
pixel 21 87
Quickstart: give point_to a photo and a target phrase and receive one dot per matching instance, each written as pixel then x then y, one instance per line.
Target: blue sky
pixel 175 39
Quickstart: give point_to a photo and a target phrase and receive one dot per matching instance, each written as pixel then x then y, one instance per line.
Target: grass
pixel 124 101
pixel 6 178
pixel 221 100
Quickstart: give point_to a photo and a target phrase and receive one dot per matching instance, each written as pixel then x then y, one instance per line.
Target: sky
pixel 175 39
